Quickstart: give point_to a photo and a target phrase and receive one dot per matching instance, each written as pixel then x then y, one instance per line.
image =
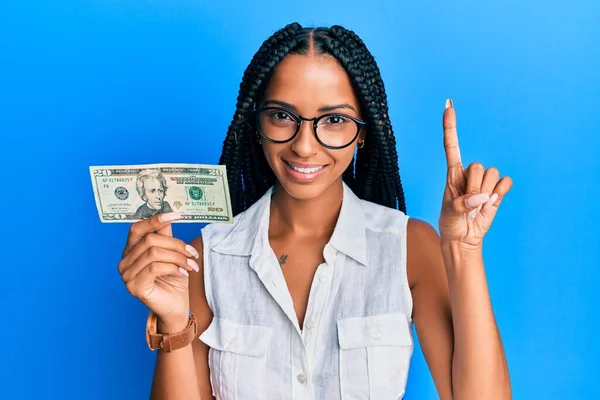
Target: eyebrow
pixel 322 109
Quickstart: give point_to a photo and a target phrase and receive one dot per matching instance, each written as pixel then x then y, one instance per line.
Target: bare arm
pixel 431 303
pixel 183 373
pixel 479 367
pixel 454 318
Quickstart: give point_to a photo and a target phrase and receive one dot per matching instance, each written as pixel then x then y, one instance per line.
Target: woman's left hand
pixel 472 196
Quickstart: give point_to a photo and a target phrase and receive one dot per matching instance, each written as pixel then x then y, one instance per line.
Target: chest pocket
pixel 236 358
pixel 374 357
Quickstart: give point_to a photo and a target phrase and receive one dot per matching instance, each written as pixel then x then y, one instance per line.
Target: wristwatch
pixel 168 342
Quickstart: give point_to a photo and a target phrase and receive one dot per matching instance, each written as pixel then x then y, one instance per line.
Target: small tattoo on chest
pixel 282 259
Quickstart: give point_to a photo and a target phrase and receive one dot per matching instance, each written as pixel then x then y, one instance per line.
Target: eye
pixel 280 115
pixel 336 120
pixel 277 118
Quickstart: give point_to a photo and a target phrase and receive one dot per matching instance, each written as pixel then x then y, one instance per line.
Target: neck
pixel 312 217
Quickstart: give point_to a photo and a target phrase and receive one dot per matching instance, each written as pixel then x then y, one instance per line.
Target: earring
pixel 258 139
pixel 361 144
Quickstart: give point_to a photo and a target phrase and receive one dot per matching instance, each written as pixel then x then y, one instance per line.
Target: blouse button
pixel 231 339
pixel 323 277
pixel 310 325
pixel 302 378
pixel 376 336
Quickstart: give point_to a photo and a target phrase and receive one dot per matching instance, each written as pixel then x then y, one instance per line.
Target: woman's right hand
pixel 155 267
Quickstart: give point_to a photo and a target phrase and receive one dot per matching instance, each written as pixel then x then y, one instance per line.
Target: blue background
pixel 86 82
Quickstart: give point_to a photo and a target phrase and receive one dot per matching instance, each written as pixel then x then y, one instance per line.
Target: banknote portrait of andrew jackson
pixel 151 185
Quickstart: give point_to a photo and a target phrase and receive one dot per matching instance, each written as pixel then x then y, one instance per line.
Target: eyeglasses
pixel 333 130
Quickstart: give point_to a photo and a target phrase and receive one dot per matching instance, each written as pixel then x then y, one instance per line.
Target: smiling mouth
pixel 305 170
pixel 304 173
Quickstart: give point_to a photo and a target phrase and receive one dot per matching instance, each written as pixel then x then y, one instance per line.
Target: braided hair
pixel 372 175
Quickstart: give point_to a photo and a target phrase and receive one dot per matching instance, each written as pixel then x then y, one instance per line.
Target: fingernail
pixel 193 264
pixel 191 250
pixel 492 200
pixel 172 216
pixel 184 272
pixel 477 200
pixel 449 103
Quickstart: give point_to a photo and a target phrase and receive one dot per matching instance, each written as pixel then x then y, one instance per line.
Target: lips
pixel 304 172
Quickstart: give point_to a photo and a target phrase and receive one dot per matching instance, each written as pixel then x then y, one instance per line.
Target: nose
pixel 305 143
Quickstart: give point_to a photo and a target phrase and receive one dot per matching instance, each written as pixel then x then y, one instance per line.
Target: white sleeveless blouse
pixel 356 342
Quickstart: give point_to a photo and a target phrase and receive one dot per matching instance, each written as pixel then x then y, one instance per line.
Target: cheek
pixel 343 157
pixel 271 153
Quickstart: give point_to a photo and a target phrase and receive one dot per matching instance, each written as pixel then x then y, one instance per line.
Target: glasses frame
pixel 360 124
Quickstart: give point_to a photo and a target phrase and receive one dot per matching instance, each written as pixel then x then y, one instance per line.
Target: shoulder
pixel 423 250
pixel 198 244
pixel 380 218
pixel 210 235
pixel 421 232
pixel 234 237
pixel 214 233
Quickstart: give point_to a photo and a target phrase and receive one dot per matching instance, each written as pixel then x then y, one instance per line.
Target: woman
pixel 312 292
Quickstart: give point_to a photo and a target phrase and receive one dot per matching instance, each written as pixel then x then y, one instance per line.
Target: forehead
pixel 311 81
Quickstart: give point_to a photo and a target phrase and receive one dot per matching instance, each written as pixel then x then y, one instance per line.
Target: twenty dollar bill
pixel 129 193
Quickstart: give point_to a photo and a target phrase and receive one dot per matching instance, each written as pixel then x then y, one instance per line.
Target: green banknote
pixel 129 193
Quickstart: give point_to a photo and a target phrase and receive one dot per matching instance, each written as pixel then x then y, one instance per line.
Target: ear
pixel 362 135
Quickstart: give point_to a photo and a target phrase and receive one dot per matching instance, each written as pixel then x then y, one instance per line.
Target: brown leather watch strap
pixel 169 341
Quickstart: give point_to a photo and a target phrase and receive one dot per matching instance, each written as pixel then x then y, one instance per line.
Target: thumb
pixel 166 230
pixel 469 202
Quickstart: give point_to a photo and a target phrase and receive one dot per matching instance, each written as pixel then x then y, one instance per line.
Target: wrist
pixel 457 253
pixel 460 246
pixel 172 325
pixel 175 334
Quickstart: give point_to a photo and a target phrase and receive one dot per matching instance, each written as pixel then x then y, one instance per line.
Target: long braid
pixel 366 78
pixel 373 175
pixel 351 59
pixel 244 175
pixel 348 175
pixel 392 171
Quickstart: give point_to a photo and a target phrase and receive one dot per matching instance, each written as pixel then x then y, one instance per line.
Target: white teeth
pixel 305 170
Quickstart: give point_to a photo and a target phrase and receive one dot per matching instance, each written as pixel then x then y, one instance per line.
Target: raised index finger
pixel 450 136
pixel 154 224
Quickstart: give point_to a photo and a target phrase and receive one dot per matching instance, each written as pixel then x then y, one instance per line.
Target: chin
pixel 302 191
